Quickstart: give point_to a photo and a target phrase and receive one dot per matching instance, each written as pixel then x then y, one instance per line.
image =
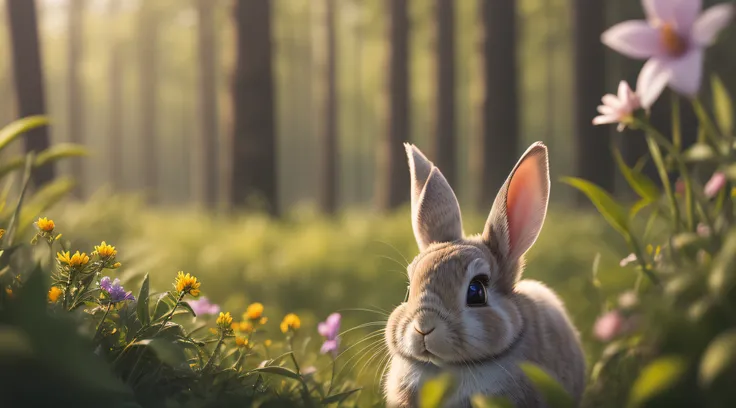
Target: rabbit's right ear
pixel 435 212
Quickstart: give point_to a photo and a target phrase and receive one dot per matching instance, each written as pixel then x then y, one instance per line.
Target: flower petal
pixel 687 72
pixel 652 79
pixel 604 119
pixel 634 39
pixel 607 110
pixel 684 14
pixel 611 101
pixel 710 23
pixel 658 10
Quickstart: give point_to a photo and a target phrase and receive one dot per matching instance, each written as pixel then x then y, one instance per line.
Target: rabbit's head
pixel 460 308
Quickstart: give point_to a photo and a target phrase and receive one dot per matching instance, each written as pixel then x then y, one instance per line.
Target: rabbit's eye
pixel 476 293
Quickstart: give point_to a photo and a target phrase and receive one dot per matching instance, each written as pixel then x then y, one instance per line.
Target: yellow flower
pixel 291 322
pixel 224 320
pixel 241 341
pixel 9 292
pixel 2 232
pixel 245 327
pixel 254 311
pixel 73 260
pixel 116 265
pixel 213 330
pixel 105 251
pixel 267 343
pixel 263 320
pixel 54 294
pixel 45 225
pixel 187 284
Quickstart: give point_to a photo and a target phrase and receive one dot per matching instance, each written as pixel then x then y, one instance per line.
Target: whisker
pixel 406 261
pixel 364 325
pixel 368 337
pixel 359 309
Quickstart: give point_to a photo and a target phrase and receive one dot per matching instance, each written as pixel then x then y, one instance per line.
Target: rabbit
pixel 467 311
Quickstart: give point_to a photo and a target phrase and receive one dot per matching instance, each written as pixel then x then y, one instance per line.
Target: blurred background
pixel 258 144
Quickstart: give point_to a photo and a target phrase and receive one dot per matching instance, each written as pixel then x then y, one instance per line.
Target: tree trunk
pixel 206 177
pixel 392 171
pixel 254 141
pixel 444 148
pixel 115 75
pixel 328 168
pixel 148 92
pixel 500 113
pixel 75 100
pixel 594 160
pixel 29 85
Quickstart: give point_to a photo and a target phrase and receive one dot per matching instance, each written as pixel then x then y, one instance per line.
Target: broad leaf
pixel 551 390
pixel 280 371
pixel 188 308
pixel 166 351
pixel 719 358
pixel 142 307
pixel 612 211
pixel 657 377
pixel 640 183
pixel 339 397
pixel 20 126
pixel 722 105
pixel 433 391
pixel 59 151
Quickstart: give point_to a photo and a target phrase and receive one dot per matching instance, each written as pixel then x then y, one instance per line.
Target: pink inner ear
pixel 525 205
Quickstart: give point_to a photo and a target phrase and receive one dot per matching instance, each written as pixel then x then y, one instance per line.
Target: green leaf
pixel 551 390
pixel 280 371
pixel 637 207
pixel 166 351
pixel 186 306
pixel 59 151
pixel 722 105
pixel 721 278
pixel 640 183
pixel 612 211
pixel 434 391
pixel 656 377
pixel 481 401
pixel 339 397
pixel 719 357
pixel 20 126
pixel 142 306
pixel 48 195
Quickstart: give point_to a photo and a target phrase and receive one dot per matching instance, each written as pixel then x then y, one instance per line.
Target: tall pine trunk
pixel 206 155
pixel 594 160
pixel 500 112
pixel 28 75
pixel 115 75
pixel 254 163
pixel 148 92
pixel 392 188
pixel 444 148
pixel 75 99
pixel 328 169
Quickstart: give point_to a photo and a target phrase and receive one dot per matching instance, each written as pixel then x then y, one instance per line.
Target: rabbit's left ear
pixel 520 207
pixel 435 212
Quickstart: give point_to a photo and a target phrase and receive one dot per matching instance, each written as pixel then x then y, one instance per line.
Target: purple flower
pixel 329 329
pixel 673 39
pixel 715 184
pixel 618 108
pixel 115 290
pixel 202 306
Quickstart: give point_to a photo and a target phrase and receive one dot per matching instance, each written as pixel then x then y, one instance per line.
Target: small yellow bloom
pixel 57 237
pixel 54 294
pixel 654 251
pixel 291 322
pixel 224 320
pixel 9 292
pixel 2 232
pixel 245 327
pixel 254 311
pixel 267 343
pixel 73 260
pixel 263 320
pixel 213 330
pixel 187 284
pixel 116 265
pixel 105 251
pixel 241 341
pixel 45 225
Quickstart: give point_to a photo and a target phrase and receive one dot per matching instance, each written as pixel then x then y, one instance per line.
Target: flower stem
pixel 215 351
pixel 171 313
pixel 332 376
pixel 642 262
pixel 676 130
pixel 657 157
pixel 99 326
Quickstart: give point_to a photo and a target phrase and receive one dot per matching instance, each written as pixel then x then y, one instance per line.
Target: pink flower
pixel 673 39
pixel 715 184
pixel 202 306
pixel 608 326
pixel 703 230
pixel 618 109
pixel 329 329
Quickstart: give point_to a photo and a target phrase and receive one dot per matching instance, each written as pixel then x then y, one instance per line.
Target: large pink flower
pixel 673 39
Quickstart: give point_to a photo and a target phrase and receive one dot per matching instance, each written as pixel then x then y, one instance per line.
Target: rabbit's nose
pixel 423 332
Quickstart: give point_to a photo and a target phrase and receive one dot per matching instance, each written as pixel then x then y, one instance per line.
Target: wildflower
pixel 608 326
pixel 291 322
pixel 654 252
pixel 673 39
pixel 245 326
pixel 115 290
pixel 329 329
pixel 254 311
pixel 116 265
pixel 2 233
pixel 309 370
pixel 105 251
pixel 224 320
pixel 54 293
pixel 187 284
pixel 241 341
pixel 618 108
pixel 73 260
pixel 202 306
pixel 45 225
pixel 263 320
pixel 267 343
pixel 703 230
pixel 629 259
pixel 9 292
pixel 715 184
pixel 213 330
